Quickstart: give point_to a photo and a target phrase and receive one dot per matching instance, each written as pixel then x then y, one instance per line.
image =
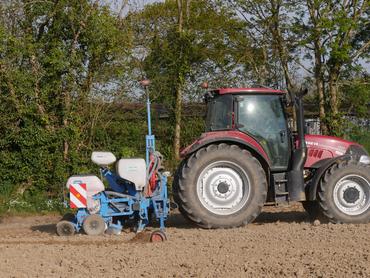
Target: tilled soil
pixel 280 243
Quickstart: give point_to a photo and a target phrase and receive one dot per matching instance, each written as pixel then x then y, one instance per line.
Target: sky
pixel 116 4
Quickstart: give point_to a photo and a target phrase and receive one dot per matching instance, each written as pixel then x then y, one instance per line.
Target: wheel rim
pixel 65 228
pixel 94 225
pixel 223 187
pixel 352 195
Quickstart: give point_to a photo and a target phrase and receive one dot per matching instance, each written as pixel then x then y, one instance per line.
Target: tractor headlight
pixel 364 159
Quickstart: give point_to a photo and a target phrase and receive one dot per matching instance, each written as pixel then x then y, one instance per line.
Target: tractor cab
pixel 256 112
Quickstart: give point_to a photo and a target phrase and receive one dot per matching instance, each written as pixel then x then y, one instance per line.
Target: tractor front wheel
pixel 344 193
pixel 220 186
pixel 313 210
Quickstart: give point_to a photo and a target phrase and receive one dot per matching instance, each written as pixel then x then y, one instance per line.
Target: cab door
pixel 262 117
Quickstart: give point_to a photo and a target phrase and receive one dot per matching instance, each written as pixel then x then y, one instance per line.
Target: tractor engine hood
pixel 323 147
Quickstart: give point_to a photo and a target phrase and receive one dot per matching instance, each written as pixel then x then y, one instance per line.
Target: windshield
pixel 260 115
pixel 219 113
pixel 263 117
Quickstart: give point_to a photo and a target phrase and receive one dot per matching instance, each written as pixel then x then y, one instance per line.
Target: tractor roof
pixel 223 91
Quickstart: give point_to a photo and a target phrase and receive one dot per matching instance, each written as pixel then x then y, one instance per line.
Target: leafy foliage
pixel 69 72
pixel 52 65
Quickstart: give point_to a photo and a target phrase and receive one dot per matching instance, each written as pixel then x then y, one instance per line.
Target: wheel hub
pixel 223 187
pixel 351 195
pixel 94 224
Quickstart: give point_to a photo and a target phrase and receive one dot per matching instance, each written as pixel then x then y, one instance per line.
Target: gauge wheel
pixel 158 236
pixel 65 228
pixel 94 225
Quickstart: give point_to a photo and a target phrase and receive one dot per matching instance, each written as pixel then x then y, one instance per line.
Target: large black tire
pixel 313 210
pixel 342 186
pixel 193 207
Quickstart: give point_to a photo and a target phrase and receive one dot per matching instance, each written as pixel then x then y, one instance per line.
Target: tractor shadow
pixel 45 228
pixel 283 217
pixel 176 220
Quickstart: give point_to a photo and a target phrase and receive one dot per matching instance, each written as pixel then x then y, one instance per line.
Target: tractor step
pixel 281 181
pixel 281 193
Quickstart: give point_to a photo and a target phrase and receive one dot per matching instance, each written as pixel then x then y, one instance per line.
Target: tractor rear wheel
pixel 314 210
pixel 220 186
pixel 344 193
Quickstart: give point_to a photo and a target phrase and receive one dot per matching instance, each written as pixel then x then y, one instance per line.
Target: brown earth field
pixel 280 243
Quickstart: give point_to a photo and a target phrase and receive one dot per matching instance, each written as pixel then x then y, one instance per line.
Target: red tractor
pixel 249 157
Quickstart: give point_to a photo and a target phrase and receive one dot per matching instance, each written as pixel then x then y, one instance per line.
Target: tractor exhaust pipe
pixel 296 186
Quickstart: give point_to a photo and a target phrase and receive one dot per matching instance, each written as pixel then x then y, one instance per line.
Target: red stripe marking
pixel 73 205
pixel 73 191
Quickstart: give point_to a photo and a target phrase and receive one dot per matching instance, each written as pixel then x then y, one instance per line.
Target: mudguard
pixel 262 157
pixel 321 167
pixel 229 137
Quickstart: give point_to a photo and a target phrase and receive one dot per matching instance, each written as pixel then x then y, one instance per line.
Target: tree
pixel 336 35
pixel 56 58
pixel 332 33
pixel 183 8
pixel 315 43
pixel 184 41
pixel 271 25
